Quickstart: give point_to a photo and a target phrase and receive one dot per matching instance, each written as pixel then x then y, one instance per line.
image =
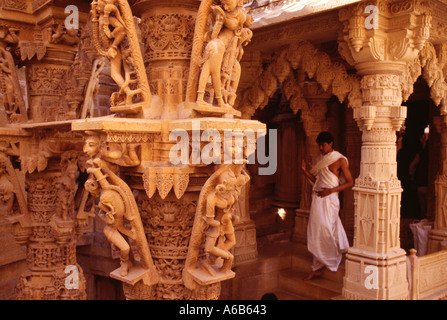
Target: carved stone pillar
pixel 43 214
pixel 314 121
pixel 167 30
pixel 169 180
pixel 438 235
pixel 44 155
pixel 353 149
pixel 53 273
pixel 48 57
pixel 379 50
pixel 377 194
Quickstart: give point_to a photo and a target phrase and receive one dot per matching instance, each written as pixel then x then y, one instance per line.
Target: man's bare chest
pixel 335 168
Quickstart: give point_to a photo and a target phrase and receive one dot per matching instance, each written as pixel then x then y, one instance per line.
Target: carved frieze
pixel 168 225
pixel 168 36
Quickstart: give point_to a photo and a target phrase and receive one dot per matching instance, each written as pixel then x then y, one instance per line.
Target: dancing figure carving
pixel 223 52
pixel 115 37
pixel 13 100
pixel 209 258
pixel 118 208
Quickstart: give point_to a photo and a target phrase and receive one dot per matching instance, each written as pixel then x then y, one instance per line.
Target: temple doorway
pixel 418 160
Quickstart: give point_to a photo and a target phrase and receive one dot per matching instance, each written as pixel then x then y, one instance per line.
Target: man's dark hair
pixel 325 136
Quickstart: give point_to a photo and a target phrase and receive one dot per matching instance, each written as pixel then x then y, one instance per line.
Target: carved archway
pixel 289 68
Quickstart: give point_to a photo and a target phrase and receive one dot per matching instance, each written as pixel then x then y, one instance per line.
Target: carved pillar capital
pixel 389 32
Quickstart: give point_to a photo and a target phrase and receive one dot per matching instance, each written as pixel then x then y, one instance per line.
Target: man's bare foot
pixel 313 274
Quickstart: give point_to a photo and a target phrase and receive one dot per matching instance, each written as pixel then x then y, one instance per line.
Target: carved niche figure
pixel 13 101
pixel 224 51
pixel 209 258
pixel 6 190
pixel 68 186
pixel 115 37
pixel 116 202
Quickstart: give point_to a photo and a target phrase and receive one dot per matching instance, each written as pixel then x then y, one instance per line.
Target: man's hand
pixel 303 165
pixel 324 192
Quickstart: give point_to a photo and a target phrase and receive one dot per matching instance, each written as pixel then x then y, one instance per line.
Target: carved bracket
pixel 209 259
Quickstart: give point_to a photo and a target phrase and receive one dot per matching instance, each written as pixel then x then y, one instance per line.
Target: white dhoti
pixel 326 237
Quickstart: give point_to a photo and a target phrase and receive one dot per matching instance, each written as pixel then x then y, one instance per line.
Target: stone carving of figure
pixel 231 77
pixel 117 205
pixel 6 190
pixel 215 220
pixel 9 82
pixel 223 52
pixel 113 211
pixel 219 237
pixel 92 88
pixel 68 186
pixel 116 201
pixel 115 37
pixel 103 155
pixel 92 147
pixel 113 31
pixel 68 36
pixel 110 154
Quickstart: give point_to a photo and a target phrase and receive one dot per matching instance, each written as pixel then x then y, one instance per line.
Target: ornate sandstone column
pixel 314 122
pixel 376 265
pixel 40 155
pixel 168 168
pixel 438 236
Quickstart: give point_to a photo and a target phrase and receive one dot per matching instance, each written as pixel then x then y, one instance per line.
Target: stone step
pixel 291 281
pixel 272 234
pixel 302 260
pixel 264 217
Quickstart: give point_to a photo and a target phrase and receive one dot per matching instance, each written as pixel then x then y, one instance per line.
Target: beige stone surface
pixel 87 117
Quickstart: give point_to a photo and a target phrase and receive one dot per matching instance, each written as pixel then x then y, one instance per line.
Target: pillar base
pixel 437 240
pixel 373 276
pixel 300 227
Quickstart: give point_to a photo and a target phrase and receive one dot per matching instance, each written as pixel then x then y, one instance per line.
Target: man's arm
pixel 310 176
pixel 348 177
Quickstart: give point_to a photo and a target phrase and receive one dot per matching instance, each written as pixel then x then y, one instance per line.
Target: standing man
pixel 326 237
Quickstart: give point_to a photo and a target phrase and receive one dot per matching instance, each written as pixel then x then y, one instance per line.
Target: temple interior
pixel 114 116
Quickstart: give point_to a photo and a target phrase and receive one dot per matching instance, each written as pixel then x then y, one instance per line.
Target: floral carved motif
pixel 168 36
pixel 168 226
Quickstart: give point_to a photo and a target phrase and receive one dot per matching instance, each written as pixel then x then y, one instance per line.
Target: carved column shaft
pixel 377 194
pixel 439 232
pixel 314 122
pixel 167 34
pixel 380 45
pixel 50 242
